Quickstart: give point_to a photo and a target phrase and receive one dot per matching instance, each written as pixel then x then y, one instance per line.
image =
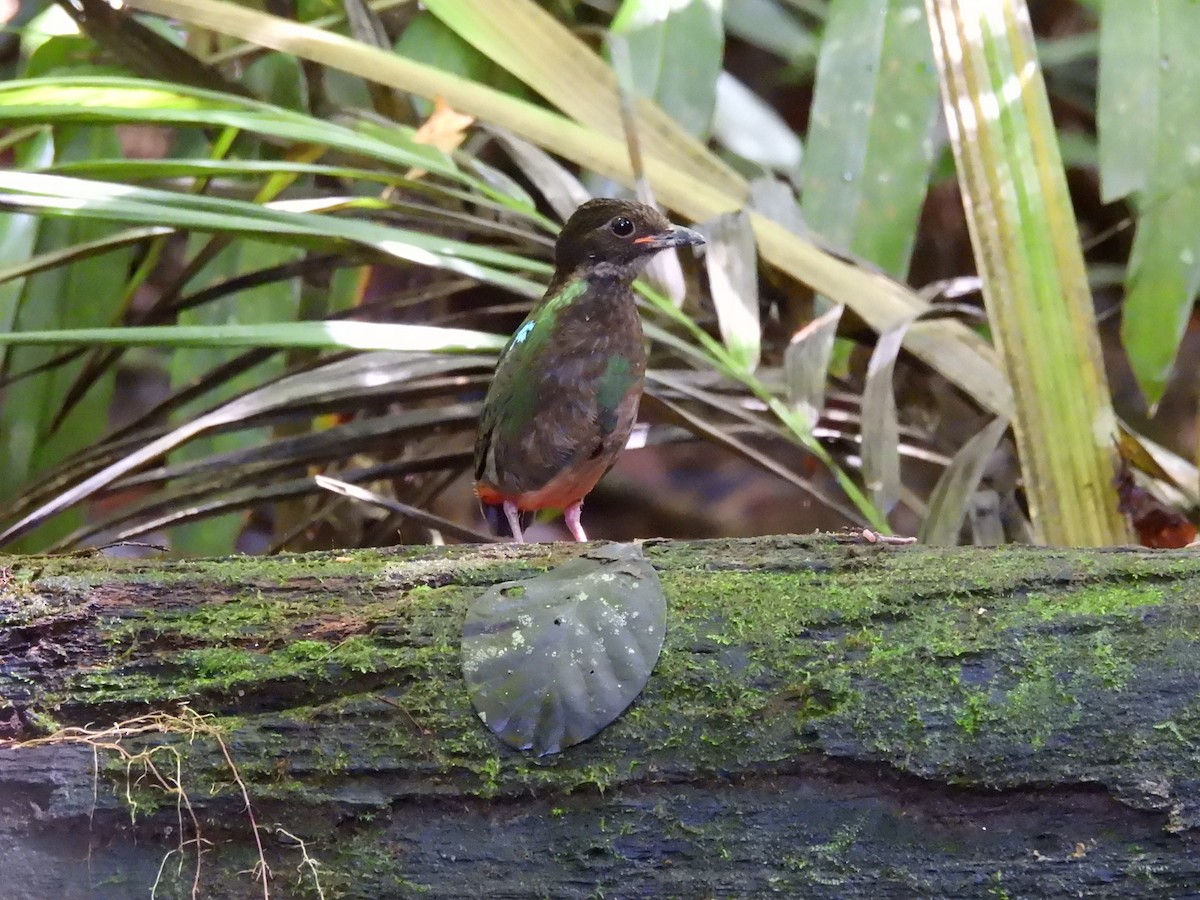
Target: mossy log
pixel 828 719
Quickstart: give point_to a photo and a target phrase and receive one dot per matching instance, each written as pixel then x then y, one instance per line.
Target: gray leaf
pixel 549 661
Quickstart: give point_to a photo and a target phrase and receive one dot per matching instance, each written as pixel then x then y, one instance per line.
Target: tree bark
pixel 828 719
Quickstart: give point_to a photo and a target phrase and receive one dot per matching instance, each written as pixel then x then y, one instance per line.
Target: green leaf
pixel 880 426
pixel 40 24
pixel 870 140
pixel 676 51
pixel 278 78
pixel 1149 120
pixel 767 24
pixel 1127 103
pixel 18 238
pixel 168 168
pixel 63 54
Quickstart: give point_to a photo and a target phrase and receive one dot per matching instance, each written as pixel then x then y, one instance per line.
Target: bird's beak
pixel 677 236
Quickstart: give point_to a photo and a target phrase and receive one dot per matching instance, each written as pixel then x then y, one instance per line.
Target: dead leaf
pixel 445 129
pixel 1157 524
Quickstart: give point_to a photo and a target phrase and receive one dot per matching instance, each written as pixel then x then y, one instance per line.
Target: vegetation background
pixel 949 286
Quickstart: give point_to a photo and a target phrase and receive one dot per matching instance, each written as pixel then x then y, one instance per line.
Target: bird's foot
pixel 571 515
pixel 514 521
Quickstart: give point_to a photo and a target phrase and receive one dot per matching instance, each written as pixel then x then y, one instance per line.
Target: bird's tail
pixel 498 522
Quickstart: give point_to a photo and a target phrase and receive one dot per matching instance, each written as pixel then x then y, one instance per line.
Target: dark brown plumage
pixel 565 394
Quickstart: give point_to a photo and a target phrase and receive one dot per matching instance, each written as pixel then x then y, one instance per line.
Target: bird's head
pixel 616 238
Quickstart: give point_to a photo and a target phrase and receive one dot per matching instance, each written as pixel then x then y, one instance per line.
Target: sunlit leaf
pixel 427 39
pixel 322 335
pixel 745 124
pixel 73 197
pixel 538 49
pixel 121 100
pixel 243 169
pixel 731 260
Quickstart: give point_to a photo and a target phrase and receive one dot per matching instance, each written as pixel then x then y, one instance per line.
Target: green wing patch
pixel 616 382
pixel 511 397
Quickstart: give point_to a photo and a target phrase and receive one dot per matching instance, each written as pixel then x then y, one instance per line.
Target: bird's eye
pixel 621 227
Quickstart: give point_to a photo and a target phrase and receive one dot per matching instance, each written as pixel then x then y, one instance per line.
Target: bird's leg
pixel 571 515
pixel 514 520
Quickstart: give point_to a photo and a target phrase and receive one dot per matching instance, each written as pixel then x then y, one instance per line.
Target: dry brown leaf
pixel 445 129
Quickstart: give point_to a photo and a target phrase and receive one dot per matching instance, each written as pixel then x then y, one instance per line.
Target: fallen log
pixel 827 719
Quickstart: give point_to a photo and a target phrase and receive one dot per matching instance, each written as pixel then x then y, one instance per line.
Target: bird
pixel 565 393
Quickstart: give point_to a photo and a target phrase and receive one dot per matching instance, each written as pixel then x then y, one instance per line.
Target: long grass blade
pixel 1027 249
pixel 313 335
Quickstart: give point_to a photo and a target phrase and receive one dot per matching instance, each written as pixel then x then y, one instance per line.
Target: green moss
pixel 489 771
pixel 222 666
pixel 921 661
pixel 976 713
pixel 1092 600
pixel 306 651
pixel 1112 668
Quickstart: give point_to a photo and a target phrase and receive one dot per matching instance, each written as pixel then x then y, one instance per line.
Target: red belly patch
pixel 564 489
